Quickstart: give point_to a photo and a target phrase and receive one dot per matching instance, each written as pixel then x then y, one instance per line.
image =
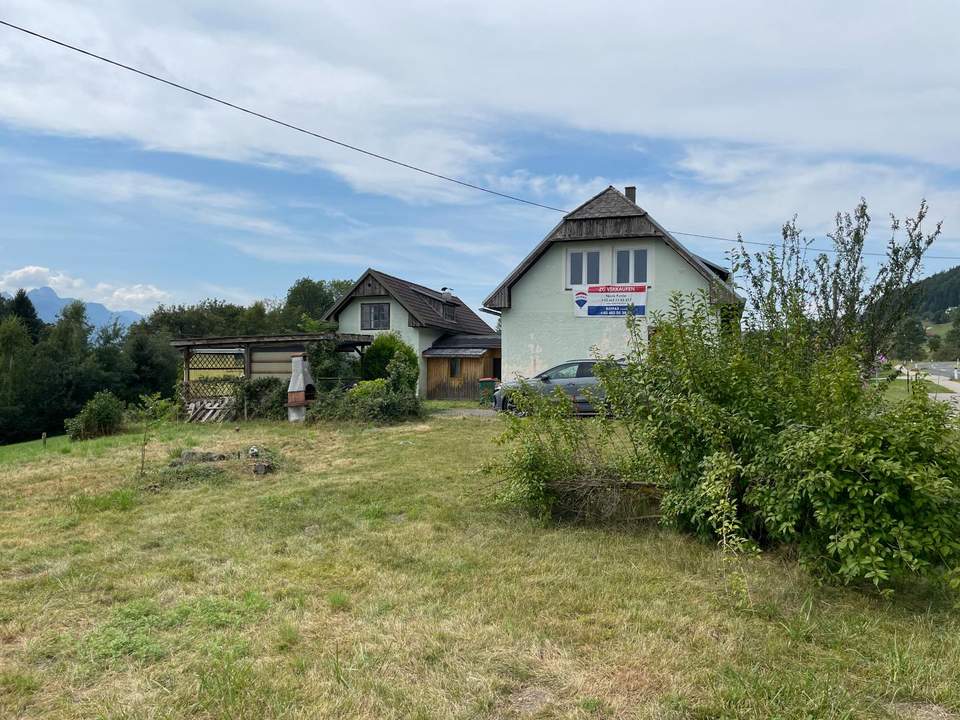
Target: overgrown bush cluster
pixel 102 415
pixel 262 398
pixel 386 398
pixel 106 414
pixel 761 430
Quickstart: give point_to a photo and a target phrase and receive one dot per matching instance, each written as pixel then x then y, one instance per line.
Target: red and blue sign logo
pixel 580 299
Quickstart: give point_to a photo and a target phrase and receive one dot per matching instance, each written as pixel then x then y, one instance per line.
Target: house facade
pixel 455 347
pixel 568 299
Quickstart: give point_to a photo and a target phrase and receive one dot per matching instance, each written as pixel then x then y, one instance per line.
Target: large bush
pixel 331 368
pixel 261 398
pixel 756 442
pixel 380 400
pixel 101 415
pixel 382 350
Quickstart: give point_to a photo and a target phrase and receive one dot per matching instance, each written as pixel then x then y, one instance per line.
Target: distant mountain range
pixel 49 305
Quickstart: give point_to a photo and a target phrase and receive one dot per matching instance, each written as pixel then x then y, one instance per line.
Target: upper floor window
pixel 375 316
pixel 449 312
pixel 630 266
pixel 583 267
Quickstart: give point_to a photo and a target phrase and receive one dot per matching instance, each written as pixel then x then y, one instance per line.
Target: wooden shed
pixel 456 363
pixel 210 363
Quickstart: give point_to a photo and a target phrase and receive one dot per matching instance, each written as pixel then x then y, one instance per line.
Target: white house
pixel 456 348
pixel 569 297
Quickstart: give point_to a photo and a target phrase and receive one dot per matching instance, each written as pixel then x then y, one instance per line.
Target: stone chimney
pixel 301 391
pixel 446 294
pixel 631 192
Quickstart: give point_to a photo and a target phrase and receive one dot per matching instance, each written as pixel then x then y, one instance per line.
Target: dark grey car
pixel 574 377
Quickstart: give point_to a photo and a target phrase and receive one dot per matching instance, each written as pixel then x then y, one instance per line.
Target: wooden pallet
pixel 211 410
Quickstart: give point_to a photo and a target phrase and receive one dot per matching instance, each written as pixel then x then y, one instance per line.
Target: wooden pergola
pixel 246 346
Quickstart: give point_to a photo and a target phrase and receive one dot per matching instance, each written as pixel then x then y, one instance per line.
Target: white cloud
pixel 141 296
pixel 726 191
pixel 444 240
pixel 431 82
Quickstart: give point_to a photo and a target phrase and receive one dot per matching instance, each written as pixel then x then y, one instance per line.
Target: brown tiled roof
pixel 423 303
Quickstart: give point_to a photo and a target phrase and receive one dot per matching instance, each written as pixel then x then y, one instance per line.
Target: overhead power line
pixel 268 118
pixel 363 151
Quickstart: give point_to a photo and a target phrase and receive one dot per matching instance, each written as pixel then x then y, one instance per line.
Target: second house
pixel 455 347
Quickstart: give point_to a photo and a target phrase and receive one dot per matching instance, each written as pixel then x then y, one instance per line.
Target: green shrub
pixel 152 408
pixel 382 350
pixel 758 439
pixel 389 393
pixel 102 415
pixel 375 401
pixel 556 465
pixel 753 439
pixel 261 399
pixel 403 371
pixel 329 367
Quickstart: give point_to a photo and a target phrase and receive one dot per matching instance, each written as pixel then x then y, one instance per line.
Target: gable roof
pixel 610 215
pixel 424 304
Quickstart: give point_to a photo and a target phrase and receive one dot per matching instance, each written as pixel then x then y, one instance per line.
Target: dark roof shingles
pixel 416 299
pixel 609 203
pixel 490 340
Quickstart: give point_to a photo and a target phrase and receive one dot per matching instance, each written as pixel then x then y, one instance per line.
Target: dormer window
pixel 450 312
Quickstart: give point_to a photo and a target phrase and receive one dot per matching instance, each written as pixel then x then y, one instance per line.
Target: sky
pixel 728 117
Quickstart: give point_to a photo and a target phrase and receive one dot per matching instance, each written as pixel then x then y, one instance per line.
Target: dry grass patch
pixel 373 576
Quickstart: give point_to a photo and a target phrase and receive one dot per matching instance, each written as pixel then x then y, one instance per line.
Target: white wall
pixel 540 329
pixel 418 338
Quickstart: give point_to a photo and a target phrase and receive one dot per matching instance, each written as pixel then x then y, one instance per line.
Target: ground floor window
pixel 454 367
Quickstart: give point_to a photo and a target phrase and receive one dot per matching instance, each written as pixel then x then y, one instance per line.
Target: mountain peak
pixel 48 305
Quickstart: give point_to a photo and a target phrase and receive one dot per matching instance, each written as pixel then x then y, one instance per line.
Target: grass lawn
pixel 432 406
pixel 939 329
pixel 897 390
pixel 372 576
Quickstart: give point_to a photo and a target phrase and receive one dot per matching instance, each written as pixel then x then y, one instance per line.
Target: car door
pixel 585 387
pixel 563 377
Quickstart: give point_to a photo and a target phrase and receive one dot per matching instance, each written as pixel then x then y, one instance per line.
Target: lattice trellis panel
pixel 227 363
pixel 213 387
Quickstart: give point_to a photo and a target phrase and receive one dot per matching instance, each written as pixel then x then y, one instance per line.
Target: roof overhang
pixel 454 352
pixel 345 341
pixel 644 226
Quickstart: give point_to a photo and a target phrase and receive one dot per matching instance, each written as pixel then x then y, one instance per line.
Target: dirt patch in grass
pixel 922 711
pixel 528 701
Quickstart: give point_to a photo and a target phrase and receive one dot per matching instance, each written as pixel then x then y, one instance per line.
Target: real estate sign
pixel 610 300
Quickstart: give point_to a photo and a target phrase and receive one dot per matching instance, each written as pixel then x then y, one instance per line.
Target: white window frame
pixel 567 285
pixel 632 269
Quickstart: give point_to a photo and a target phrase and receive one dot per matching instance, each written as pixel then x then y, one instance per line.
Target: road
pixel 939 369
